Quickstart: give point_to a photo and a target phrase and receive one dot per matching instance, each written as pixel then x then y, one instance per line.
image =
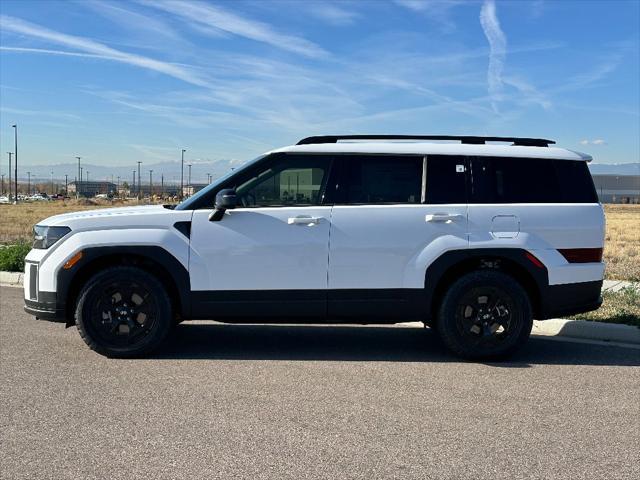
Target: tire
pixel 485 315
pixel 123 312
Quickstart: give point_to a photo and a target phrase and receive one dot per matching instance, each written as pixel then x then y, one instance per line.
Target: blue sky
pixel 117 82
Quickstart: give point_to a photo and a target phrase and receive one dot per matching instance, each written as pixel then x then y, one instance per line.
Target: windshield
pixel 193 199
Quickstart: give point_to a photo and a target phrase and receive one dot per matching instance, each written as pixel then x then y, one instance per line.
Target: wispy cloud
pixel 498 46
pixel 597 141
pixel 147 26
pixel 439 11
pixel 333 14
pixel 221 19
pixel 40 113
pixel 98 50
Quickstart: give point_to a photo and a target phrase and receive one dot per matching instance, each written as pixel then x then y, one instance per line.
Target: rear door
pixel 393 215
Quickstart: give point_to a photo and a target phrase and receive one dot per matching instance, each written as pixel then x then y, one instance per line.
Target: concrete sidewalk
pixel 617 285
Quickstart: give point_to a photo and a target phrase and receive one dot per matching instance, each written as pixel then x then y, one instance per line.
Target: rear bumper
pixel 570 299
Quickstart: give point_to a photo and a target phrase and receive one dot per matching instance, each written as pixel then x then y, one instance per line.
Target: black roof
pixel 473 140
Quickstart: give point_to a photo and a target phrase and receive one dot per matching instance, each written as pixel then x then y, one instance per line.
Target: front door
pixel 268 257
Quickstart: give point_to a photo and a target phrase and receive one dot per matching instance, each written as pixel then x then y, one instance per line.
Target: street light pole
pixel 182 174
pixel 139 180
pixel 162 185
pixel 15 164
pixel 9 176
pixel 66 185
pixel 52 184
pixel 80 177
pixel 133 185
pixel 150 184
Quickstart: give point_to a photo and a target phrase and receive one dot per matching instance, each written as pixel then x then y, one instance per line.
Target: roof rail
pixel 473 140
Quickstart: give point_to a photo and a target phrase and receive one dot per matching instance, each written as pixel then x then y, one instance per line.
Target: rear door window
pixel 446 179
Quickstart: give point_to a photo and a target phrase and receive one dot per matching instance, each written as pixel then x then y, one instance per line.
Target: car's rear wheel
pixel 485 315
pixel 123 312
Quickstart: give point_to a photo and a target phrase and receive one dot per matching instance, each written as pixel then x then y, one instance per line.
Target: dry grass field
pixel 622 242
pixel 16 221
pixel 622 246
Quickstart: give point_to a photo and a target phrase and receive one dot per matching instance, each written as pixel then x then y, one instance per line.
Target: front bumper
pixel 46 310
pixel 42 305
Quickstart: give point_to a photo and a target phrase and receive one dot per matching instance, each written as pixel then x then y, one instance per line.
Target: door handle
pixel 304 220
pixel 442 217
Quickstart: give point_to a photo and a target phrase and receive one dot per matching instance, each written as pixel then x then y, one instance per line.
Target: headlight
pixel 44 237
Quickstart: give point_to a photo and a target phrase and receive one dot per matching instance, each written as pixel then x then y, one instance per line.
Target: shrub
pixel 12 256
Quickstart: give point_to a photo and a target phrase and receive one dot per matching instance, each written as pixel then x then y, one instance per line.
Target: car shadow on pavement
pixel 364 343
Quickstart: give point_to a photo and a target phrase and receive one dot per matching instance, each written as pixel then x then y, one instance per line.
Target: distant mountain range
pixel 199 171
pixel 615 168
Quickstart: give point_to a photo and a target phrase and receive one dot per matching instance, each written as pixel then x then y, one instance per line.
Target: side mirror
pixel 225 200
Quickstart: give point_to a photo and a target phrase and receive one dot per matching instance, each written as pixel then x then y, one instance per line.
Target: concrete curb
pixel 12 279
pixel 576 329
pixel 586 330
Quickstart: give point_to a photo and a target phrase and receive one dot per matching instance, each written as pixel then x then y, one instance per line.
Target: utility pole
pixel 139 180
pixel 66 185
pixel 52 184
pixel 190 174
pixel 118 187
pixel 162 185
pixel 28 183
pixel 150 184
pixel 2 175
pixel 133 185
pixel 15 165
pixel 80 177
pixel 182 174
pixel 9 176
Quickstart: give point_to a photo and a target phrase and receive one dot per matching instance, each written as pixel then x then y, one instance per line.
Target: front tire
pixel 485 315
pixel 123 312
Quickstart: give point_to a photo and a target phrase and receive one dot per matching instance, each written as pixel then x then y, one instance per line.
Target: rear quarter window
pixel 535 180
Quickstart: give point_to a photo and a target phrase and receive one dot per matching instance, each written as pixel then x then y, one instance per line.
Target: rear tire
pixel 123 312
pixel 485 315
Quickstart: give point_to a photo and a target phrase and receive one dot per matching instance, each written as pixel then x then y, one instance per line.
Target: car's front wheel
pixel 485 315
pixel 123 312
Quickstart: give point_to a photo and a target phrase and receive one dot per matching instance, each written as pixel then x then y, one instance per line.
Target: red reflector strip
pixel 582 255
pixel 533 259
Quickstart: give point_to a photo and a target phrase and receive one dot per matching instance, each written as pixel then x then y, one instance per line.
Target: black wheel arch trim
pixel 450 265
pixel 171 270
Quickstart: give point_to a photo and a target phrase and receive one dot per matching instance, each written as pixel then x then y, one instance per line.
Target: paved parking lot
pixel 265 402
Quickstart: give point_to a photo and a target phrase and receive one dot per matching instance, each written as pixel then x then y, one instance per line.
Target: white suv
pixel 474 239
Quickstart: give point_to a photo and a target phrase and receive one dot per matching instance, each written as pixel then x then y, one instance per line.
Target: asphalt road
pixel 280 402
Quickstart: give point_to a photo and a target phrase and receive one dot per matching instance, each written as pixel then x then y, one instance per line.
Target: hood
pixel 65 218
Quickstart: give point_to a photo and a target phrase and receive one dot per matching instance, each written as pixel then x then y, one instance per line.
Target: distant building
pixel 158 190
pixel 618 188
pixel 91 189
pixel 189 190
